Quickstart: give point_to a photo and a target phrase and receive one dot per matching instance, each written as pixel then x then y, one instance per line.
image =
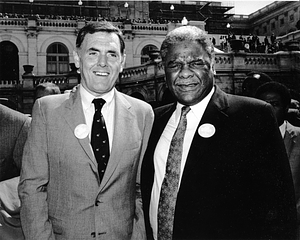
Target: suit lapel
pixel 215 115
pixel 288 139
pixel 73 113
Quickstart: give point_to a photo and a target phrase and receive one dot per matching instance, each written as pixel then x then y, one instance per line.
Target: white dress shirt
pixel 108 111
pixel 282 128
pixel 162 149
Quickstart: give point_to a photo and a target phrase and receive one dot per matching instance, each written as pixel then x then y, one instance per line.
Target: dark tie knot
pixel 99 102
pixel 185 110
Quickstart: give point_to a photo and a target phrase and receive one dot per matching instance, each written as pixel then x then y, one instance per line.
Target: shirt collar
pixel 87 98
pixel 197 109
pixel 282 128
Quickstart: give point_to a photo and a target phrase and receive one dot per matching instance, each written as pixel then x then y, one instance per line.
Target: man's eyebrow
pixel 93 49
pixel 97 50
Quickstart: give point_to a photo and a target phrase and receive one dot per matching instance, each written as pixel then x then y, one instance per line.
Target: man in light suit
pixel 63 194
pixel 234 176
pixel 279 97
pixel 14 127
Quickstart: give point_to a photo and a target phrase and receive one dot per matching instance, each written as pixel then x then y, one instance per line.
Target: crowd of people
pixel 253 44
pixel 97 163
pixel 87 18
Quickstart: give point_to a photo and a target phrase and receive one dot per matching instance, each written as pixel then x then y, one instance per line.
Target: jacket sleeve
pixel 34 179
pixel 139 231
pixel 18 150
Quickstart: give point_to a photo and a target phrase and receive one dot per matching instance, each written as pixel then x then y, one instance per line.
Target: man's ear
pixel 76 59
pixel 212 66
pixel 123 60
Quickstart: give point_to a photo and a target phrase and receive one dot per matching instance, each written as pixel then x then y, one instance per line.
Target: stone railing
pixel 225 63
pixel 141 73
pixel 51 23
pixel 247 62
pixel 289 37
pixel 57 24
pixel 148 28
pixel 64 81
pixel 13 22
pixel 8 83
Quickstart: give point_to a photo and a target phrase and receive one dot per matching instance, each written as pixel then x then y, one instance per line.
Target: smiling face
pixel 189 72
pixel 100 61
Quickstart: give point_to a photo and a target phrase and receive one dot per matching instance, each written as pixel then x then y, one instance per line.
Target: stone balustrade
pixel 224 63
pixel 52 23
pixel 8 83
pixel 13 22
pixel 139 27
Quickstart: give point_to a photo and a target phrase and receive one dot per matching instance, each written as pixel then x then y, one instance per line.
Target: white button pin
pixel 81 131
pixel 206 130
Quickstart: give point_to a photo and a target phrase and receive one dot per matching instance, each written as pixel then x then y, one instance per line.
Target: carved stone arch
pixel 69 45
pixel 144 47
pixel 19 44
pixel 9 61
pixel 144 43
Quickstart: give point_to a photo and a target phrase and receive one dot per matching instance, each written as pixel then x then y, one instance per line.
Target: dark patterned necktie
pixel 99 138
pixel 169 188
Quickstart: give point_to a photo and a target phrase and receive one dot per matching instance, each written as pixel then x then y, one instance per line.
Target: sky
pixel 248 7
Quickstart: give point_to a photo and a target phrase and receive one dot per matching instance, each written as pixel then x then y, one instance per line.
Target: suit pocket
pixel 56 226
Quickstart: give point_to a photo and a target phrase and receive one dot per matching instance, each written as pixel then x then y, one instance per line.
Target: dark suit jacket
pixel 14 127
pixel 236 184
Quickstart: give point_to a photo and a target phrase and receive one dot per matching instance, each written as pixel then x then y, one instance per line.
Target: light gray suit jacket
pixel 292 144
pixel 14 127
pixel 60 190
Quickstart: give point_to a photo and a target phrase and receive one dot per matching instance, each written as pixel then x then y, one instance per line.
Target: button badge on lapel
pixel 206 130
pixel 81 131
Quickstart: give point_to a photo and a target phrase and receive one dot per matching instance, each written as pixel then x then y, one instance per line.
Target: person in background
pixel 279 97
pixel 14 127
pixel 215 166
pixel 293 115
pixel 45 89
pixel 81 165
pixel 252 81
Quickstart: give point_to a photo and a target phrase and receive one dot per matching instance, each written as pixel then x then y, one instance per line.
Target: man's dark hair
pixel 275 87
pixel 102 26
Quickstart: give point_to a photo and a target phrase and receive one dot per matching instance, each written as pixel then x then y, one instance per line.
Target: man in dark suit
pixel 234 180
pixel 278 95
pixel 67 189
pixel 14 127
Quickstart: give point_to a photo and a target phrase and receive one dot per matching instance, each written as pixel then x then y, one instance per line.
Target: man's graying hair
pixel 102 26
pixel 187 33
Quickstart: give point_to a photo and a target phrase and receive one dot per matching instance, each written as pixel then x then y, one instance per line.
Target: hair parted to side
pixel 187 33
pixel 101 26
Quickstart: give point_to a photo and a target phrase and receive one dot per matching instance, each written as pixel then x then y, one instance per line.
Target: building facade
pixel 44 43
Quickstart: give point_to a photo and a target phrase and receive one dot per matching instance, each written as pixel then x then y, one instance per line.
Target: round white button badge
pixel 206 130
pixel 81 131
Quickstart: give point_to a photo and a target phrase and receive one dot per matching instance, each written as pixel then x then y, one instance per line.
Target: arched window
pixel 9 61
pixel 57 59
pixel 145 53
